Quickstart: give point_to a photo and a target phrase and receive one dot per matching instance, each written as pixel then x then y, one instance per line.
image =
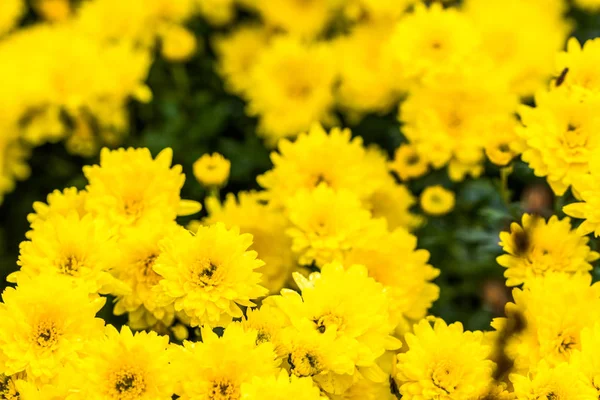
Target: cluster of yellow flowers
pixel 70 77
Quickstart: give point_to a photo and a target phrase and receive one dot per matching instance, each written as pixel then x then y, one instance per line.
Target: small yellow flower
pixel 436 200
pixel 178 43
pixel 212 170
pixel 53 10
pixel 409 163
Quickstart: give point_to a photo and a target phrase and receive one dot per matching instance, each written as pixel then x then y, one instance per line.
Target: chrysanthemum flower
pixel 392 202
pixel 216 368
pixel 436 200
pixel 291 87
pixel 209 275
pixel 444 362
pixel 267 226
pixel 538 247
pixel 123 366
pixel 82 248
pixel 393 260
pixel 559 135
pixel 348 302
pixel 588 359
pixel 237 53
pixel 139 252
pixel 577 64
pixel 129 187
pixel 45 323
pixel 325 223
pixel 281 387
pixel 408 163
pixel 58 203
pixel 562 382
pixel 587 188
pixel 212 170
pixel 555 309
pixel 308 162
pixel 178 43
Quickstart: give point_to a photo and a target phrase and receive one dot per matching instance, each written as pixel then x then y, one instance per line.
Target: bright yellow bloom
pixel 209 275
pixel 123 366
pixel 392 202
pixel 562 382
pixel 587 188
pixel 588 359
pixel 555 309
pixel 139 251
pixel 217 367
pixel 308 162
pixel 58 203
pixel 325 223
pixel 537 247
pixel 501 148
pixel 268 321
pixel 430 40
pixel 582 76
pixel 45 323
pixel 560 136
pixel 178 43
pixel 435 200
pixel 393 260
pixel 291 87
pixel 81 248
pixel 53 10
pixel 212 170
pixel 409 163
pixel 267 226
pixel 10 12
pixel 444 362
pixel 282 387
pixel 129 187
pixel 237 54
pixel 305 18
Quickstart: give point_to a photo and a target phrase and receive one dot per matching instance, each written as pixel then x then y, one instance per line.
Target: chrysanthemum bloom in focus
pixel 537 247
pixel 562 382
pixel 209 275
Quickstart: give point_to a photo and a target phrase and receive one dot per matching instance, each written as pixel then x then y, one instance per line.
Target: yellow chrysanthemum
pixel 17 387
pixel 281 387
pixel 129 187
pixel 81 248
pixel 587 188
pixel 393 202
pixel 537 247
pixel 555 308
pixel 436 200
pixel 431 39
pixel 325 223
pixel 306 19
pixel 45 323
pixel 408 163
pixel 524 56
pixel 209 275
pixel 350 303
pixel 562 382
pixel 450 119
pixel 212 170
pixel 577 64
pixel 267 226
pixel 178 43
pixel 588 359
pixel 308 162
pixel 216 368
pixel 123 366
pixel 291 87
pixel 58 203
pixel 10 12
pixel 559 134
pixel 139 251
pixel 393 260
pixel 237 53
pixel 444 362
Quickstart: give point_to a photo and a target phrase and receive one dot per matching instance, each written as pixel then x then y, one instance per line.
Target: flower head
pixel 210 274
pixel 562 382
pixel 212 170
pixel 178 43
pixel 435 200
pixel 409 163
pixel 538 247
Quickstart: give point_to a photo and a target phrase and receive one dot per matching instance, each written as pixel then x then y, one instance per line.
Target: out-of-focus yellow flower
pixel 178 43
pixel 409 163
pixel 212 170
pixel 53 10
pixel 435 200
pixel 10 12
pixel 590 5
pixel 217 12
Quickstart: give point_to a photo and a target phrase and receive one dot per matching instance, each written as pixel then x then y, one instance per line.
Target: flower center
pixel 303 363
pixel 69 265
pixel 224 390
pixel 148 273
pixel 443 378
pixel 328 320
pixel 206 273
pixel 299 90
pixel 262 337
pixel 133 207
pixel 8 390
pixel 46 334
pixel 128 384
pixel 575 137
